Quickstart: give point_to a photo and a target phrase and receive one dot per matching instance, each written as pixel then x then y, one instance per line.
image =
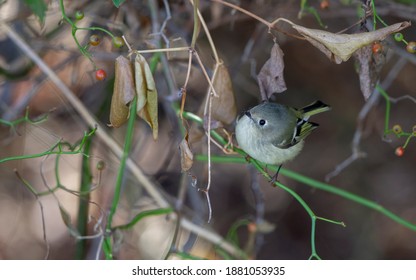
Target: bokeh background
pixel 244 45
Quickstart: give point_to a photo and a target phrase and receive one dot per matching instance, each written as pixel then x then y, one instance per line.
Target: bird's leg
pixel 274 178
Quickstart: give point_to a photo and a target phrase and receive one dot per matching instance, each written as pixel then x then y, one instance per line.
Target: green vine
pixel 83 49
pixel 107 246
pixel 24 119
pixel 396 129
pixel 59 148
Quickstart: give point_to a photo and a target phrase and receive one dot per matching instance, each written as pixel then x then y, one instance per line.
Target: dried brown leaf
pixel 140 80
pixel 369 66
pixel 187 157
pixel 224 108
pixel 123 92
pixel 150 112
pixel 66 218
pixel 340 47
pixel 271 78
pixel 147 99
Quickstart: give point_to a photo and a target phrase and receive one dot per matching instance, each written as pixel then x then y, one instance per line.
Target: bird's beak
pixel 247 113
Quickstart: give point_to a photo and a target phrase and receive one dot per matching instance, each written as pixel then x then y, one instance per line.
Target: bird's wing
pixel 302 130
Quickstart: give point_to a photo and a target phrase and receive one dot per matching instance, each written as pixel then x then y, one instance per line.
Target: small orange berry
pixel 411 47
pixel 252 227
pixel 376 48
pixel 324 4
pixel 95 40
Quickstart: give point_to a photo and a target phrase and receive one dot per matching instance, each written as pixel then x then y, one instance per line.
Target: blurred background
pixel 42 225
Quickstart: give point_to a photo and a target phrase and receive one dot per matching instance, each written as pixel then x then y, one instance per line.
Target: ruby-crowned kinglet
pixel 274 133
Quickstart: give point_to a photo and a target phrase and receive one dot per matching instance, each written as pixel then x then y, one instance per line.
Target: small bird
pixel 274 133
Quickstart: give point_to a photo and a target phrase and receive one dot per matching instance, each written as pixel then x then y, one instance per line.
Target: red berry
pixel 100 74
pixel 376 48
pixel 95 40
pixel 411 47
pixel 399 151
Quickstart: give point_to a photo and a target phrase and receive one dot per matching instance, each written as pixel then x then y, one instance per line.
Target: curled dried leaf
pixel 66 218
pixel 187 157
pixel 224 108
pixel 140 80
pixel 271 78
pixel 147 99
pixel 150 111
pixel 123 92
pixel 340 47
pixel 369 67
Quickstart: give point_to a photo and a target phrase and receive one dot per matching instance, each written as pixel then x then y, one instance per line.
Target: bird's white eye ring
pixel 262 122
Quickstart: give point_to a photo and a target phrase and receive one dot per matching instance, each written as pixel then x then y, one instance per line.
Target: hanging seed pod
pixel 123 92
pixel 187 157
pixel 146 94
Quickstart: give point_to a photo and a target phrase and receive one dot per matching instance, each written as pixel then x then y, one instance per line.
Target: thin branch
pixel 209 158
pixel 42 212
pixel 371 102
pixel 250 14
pixel 178 49
pixel 156 27
pixel 207 33
pixel 259 206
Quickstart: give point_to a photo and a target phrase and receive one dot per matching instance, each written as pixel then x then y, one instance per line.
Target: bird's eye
pixel 262 122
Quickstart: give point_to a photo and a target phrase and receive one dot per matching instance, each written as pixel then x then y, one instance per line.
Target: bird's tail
pixel 313 109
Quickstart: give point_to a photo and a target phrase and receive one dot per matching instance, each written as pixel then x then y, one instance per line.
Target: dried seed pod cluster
pixel 134 81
